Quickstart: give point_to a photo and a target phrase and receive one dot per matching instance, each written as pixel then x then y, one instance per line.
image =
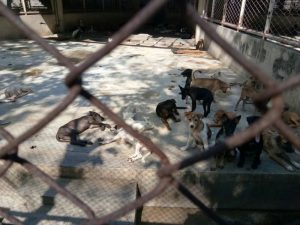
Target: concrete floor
pixel 142 72
pixel 130 75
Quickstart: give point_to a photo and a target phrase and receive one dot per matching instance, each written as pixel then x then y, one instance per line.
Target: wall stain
pixel 284 65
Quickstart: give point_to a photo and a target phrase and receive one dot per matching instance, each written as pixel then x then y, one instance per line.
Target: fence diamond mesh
pixel 166 173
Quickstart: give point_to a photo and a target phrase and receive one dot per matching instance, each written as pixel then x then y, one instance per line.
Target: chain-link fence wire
pixel 268 18
pixel 285 20
pixel 256 15
pixel 271 116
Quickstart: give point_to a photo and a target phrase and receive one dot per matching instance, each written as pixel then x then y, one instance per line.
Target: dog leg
pixel 288 159
pixel 188 142
pixel 237 104
pixel 165 122
pixel 137 153
pixel 145 156
pixel 204 139
pixel 241 161
pixel 281 162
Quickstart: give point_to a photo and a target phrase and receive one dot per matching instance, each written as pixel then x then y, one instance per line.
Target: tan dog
pixel 249 91
pixel 219 115
pixel 199 131
pixel 213 84
pixel 275 145
pixel 291 118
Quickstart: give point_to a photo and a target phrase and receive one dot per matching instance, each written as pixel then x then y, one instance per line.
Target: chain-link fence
pixel 165 174
pixel 272 19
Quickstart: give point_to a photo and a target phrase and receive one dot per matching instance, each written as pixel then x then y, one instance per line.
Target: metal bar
pixel 242 13
pixel 269 17
pixel 224 12
pixel 24 6
pixel 213 9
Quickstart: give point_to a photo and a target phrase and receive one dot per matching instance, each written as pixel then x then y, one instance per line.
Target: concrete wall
pixel 42 24
pixel 278 60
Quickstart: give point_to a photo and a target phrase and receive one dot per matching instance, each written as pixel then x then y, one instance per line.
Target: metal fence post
pixel 224 12
pixel 240 24
pixel 213 9
pixel 24 6
pixel 269 17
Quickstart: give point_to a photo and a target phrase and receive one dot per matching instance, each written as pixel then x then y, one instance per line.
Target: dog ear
pixel 180 87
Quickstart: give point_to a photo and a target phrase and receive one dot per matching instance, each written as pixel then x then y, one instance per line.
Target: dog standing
pixel 227 130
pixel 71 130
pixel 198 94
pixel 248 92
pixel 168 109
pixel 252 148
pixel 199 131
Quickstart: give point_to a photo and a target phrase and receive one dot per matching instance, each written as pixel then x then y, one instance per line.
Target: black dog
pixel 188 74
pixel 252 148
pixel 168 109
pixel 70 131
pixel 198 94
pixel 227 129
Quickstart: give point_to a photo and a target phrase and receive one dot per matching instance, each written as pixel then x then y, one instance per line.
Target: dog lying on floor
pixel 71 130
pixel 227 129
pixel 168 109
pixel 142 126
pixel 11 94
pixel 199 131
pixel 196 93
pixel 276 146
pixel 291 118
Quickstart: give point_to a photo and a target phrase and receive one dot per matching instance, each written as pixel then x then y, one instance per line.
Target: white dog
pixel 199 131
pixel 121 135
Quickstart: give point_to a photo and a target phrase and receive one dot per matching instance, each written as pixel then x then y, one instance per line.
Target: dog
pixel 248 93
pixel 252 148
pixel 196 93
pixel 122 136
pixel 168 109
pixel 276 147
pixel 213 84
pixel 227 129
pixel 11 94
pixel 291 118
pixel 219 116
pixel 199 131
pixel 71 130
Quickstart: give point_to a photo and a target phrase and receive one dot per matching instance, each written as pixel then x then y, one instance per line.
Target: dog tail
pixel 181 107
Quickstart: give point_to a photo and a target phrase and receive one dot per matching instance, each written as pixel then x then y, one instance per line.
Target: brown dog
pixel 276 146
pixel 71 130
pixel 219 115
pixel 213 84
pixel 291 118
pixel 249 91
pixel 199 131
